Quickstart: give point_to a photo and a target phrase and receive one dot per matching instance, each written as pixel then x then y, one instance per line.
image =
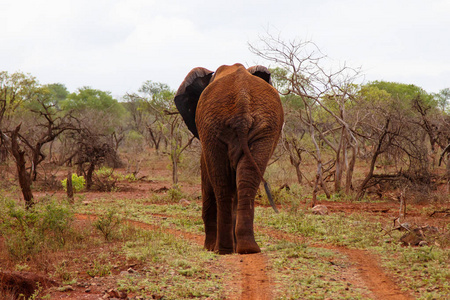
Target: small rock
pixel 423 243
pixel 116 294
pixel 183 202
pixel 87 290
pixel 86 202
pixel 405 226
pixel 320 210
pixel 417 235
pixel 66 288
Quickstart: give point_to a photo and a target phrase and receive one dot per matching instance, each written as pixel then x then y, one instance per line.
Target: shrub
pixel 175 193
pixel 28 232
pixel 106 179
pixel 107 224
pixel 78 183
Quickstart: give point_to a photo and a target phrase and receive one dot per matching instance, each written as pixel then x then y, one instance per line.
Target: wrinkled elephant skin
pixel 237 115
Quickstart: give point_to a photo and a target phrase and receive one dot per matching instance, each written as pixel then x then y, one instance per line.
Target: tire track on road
pixel 382 286
pixel 253 281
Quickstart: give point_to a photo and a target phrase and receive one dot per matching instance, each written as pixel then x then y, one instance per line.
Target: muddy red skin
pixel 238 119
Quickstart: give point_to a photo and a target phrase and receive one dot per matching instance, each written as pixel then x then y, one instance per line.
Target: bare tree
pixel 48 125
pixel 391 130
pixel 308 79
pixel 24 102
pixel 12 143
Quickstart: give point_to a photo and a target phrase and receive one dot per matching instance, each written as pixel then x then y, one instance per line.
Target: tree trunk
pixel 24 176
pixel 89 174
pixel 339 163
pixel 174 171
pixel 298 172
pixel 351 167
pixel 34 163
pixel 319 175
pixel 315 190
pixel 3 154
pixel 69 186
pixel 154 139
pixel 377 152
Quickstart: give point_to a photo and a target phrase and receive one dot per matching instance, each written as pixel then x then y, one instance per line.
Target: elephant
pixel 237 115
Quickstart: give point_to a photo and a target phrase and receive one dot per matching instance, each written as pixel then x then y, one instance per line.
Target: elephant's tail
pixel 244 144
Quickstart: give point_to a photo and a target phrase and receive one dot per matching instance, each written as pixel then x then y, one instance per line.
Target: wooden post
pixel 69 186
pixel 402 212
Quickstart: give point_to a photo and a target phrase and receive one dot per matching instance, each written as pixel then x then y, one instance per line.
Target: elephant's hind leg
pixel 209 209
pixel 247 185
pixel 248 180
pixel 218 186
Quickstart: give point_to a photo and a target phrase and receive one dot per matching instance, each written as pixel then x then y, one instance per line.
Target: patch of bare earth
pixel 251 273
pixel 255 282
pixel 365 269
pixel 251 280
pixel 379 283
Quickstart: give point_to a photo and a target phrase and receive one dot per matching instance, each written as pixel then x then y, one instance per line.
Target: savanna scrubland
pixel 100 197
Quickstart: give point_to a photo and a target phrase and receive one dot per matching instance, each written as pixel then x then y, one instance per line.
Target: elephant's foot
pixel 210 245
pixel 224 251
pixel 210 242
pixel 247 247
pixel 210 237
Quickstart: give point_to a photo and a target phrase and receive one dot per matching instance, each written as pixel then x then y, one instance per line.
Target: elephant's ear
pixel 262 72
pixel 189 92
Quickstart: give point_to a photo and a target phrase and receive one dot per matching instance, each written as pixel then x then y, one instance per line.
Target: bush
pixel 107 224
pixel 106 179
pixel 28 232
pixel 175 193
pixel 78 183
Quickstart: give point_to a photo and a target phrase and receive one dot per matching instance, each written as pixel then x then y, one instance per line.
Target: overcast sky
pixel 116 45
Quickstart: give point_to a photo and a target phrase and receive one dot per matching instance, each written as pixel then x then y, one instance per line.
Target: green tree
pixel 58 93
pixel 100 130
pixel 163 122
pixel 399 120
pixel 443 100
pixel 157 94
pixel 28 121
pixel 87 98
pixel 149 108
pixel 15 90
pixel 407 93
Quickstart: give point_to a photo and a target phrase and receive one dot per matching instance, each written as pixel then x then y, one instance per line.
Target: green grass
pixel 423 271
pixel 173 268
pixel 303 272
pixel 338 229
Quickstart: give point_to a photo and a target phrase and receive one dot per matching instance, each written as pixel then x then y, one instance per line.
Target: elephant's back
pixel 239 93
pixel 238 100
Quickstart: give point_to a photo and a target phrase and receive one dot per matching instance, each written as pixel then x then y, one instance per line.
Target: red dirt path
pixel 255 281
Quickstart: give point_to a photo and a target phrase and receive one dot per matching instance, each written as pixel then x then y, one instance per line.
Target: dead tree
pixel 176 138
pixel 312 83
pixel 91 152
pixel 19 156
